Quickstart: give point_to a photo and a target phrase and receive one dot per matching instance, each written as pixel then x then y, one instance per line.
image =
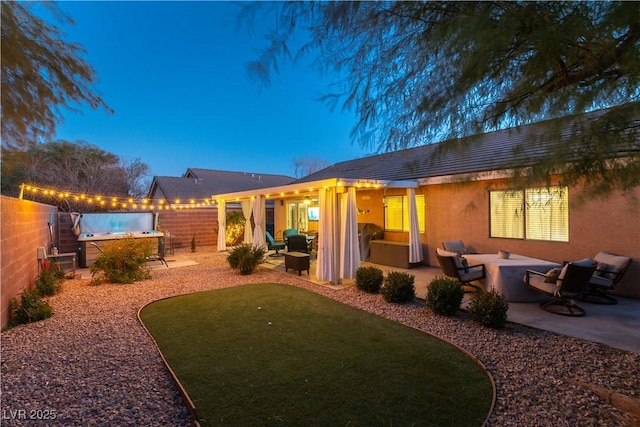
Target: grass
pixel 319 363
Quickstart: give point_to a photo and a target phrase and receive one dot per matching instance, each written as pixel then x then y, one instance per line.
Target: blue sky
pixel 174 72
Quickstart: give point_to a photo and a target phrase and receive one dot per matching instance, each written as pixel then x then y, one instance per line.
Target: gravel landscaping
pixel 92 363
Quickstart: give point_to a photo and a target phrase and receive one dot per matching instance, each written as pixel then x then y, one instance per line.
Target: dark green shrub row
pixel 394 286
pixel 124 260
pixel 444 296
pixel 398 287
pixel 488 309
pixel 369 279
pixel 246 258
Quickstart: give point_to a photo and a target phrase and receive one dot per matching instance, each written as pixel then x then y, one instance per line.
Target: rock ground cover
pixel 92 363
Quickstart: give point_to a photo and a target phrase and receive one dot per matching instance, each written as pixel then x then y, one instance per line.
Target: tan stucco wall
pixel 461 211
pixel 24 228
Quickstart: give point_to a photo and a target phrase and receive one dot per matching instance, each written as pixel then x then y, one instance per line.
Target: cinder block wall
pixel 24 227
pixel 183 224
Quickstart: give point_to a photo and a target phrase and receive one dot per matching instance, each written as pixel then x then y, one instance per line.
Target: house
pixel 468 192
pixel 187 199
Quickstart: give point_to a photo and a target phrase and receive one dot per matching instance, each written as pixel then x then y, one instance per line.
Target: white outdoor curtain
pixel 222 226
pixel 246 212
pixel 326 266
pixel 349 245
pixel 259 238
pixel 415 247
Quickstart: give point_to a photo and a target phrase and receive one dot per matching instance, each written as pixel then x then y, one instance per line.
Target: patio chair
pixel 273 245
pixel 610 269
pixel 297 243
pixel 569 284
pixel 456 267
pixel 456 246
pixel 289 232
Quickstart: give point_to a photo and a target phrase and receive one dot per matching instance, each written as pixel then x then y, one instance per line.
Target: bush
pixel 125 260
pixel 369 279
pixel 398 287
pixel 31 308
pixel 49 281
pixel 444 296
pixel 489 309
pixel 246 258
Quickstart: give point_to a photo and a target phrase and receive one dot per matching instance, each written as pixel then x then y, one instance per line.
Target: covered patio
pixel 338 252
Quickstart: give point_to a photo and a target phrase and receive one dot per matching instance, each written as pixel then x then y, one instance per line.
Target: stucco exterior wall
pixel 461 211
pixel 24 228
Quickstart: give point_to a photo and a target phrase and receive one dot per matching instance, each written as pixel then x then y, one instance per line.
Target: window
pixel 396 216
pixel 532 214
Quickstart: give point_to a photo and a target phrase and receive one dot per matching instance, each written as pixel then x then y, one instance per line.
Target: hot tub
pixel 96 229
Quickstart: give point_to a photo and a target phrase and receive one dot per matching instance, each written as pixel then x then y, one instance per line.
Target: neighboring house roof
pixel 203 183
pixel 493 151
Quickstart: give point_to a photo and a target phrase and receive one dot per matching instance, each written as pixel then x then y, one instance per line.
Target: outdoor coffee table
pixel 297 261
pixel 505 275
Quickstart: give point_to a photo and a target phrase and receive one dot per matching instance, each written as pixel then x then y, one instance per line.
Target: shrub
pixel 125 260
pixel 489 309
pixel 444 296
pixel 246 258
pixel 31 308
pixel 369 279
pixel 49 281
pixel 398 287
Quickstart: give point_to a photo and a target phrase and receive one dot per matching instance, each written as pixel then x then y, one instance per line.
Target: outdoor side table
pixel 68 257
pixel 297 261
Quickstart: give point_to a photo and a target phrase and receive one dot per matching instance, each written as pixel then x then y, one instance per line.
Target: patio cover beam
pixel 287 190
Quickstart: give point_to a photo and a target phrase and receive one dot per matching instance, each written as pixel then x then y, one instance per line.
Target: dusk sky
pixel 174 72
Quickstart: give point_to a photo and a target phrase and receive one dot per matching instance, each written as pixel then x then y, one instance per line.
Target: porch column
pixel 222 225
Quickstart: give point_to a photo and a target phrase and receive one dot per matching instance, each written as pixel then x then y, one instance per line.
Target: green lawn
pixel 319 363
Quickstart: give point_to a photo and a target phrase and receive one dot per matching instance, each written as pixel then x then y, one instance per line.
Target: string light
pixel 113 202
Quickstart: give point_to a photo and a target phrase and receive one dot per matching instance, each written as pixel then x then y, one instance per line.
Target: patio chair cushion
pixel 611 264
pixel 540 282
pixel 586 262
pixel 456 246
pixel 472 274
pixel 460 262
pixel 601 281
pixel 552 275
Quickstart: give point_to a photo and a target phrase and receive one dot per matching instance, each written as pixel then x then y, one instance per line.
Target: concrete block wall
pixel 23 228
pixel 184 223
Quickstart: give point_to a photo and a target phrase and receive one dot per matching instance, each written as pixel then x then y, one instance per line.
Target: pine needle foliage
pixel 422 72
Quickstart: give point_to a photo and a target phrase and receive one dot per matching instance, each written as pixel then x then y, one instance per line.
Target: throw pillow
pixel 552 275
